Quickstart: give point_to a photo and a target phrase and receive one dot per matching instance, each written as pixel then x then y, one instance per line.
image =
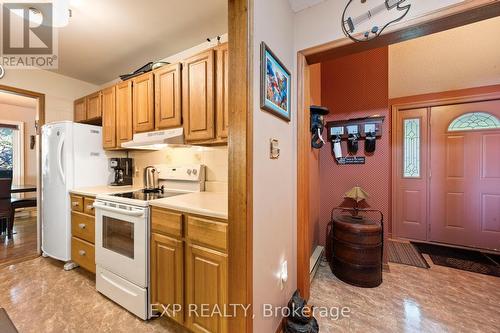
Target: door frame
pixel 428 101
pixel 464 13
pixel 41 121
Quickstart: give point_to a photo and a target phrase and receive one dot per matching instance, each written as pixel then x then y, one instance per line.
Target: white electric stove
pixel 122 236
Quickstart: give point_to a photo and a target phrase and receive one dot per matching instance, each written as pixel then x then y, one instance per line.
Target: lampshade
pixel 357 194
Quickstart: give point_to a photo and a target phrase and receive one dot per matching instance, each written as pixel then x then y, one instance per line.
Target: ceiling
pixel 17 100
pixel 298 5
pixel 107 38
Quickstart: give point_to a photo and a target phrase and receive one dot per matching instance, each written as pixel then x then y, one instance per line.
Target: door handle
pixel 59 154
pixel 120 211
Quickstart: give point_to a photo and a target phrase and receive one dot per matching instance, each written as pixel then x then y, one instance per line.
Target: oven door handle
pixel 118 210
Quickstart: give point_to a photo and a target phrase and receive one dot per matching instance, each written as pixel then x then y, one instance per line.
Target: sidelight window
pixel 474 121
pixel 411 148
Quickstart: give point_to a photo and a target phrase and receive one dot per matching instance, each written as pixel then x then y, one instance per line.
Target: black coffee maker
pixel 123 170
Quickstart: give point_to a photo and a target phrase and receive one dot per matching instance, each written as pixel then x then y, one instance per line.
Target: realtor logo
pixel 28 35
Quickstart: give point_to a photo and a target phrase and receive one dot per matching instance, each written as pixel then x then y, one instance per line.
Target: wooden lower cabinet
pixel 167 275
pixel 83 231
pixel 189 268
pixel 206 285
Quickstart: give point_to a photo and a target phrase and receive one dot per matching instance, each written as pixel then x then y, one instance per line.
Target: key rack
pixel 361 125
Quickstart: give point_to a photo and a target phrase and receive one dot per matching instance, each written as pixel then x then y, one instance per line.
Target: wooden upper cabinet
pixel 143 103
pixel 94 109
pixel 80 110
pixel 124 130
pixel 168 104
pixel 222 91
pixel 198 97
pixel 109 118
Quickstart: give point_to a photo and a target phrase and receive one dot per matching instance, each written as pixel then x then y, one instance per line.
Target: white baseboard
pixel 315 261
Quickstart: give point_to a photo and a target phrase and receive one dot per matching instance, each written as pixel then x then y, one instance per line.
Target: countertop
pixel 105 189
pixel 211 204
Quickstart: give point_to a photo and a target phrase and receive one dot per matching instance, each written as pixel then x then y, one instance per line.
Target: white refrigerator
pixel 72 157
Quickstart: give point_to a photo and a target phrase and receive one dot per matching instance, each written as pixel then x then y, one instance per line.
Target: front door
pixel 464 193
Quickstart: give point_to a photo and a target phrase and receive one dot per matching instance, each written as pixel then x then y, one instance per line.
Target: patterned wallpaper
pixel 356 86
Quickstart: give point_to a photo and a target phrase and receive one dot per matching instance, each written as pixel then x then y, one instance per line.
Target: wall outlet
pixel 283 274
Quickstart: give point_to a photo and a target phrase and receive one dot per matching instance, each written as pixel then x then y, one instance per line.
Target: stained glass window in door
pixel 474 121
pixel 411 148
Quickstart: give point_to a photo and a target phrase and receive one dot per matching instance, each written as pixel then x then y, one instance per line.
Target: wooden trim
pixel 41 121
pixel 303 149
pixel 469 11
pixel 240 147
pixel 281 326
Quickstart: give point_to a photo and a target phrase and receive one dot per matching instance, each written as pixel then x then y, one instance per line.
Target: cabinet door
pixel 109 118
pixel 143 101
pixel 206 283
pixel 124 112
pixel 167 275
pixel 222 91
pixel 168 97
pixel 198 97
pixel 94 106
pixel 80 110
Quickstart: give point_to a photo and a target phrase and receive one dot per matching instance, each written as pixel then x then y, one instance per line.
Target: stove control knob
pixel 189 172
pixel 195 172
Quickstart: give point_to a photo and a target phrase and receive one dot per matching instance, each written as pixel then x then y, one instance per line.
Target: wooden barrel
pixel 357 251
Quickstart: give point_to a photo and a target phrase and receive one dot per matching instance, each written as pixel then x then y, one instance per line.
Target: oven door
pixel 121 242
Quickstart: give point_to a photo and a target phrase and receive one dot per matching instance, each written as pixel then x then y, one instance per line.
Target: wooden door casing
pixel 109 118
pixel 167 275
pixel 411 192
pixel 222 91
pixel 206 283
pixel 168 103
pixel 143 103
pixel 465 183
pixel 124 131
pixel 198 97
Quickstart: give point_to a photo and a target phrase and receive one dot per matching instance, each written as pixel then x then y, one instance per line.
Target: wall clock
pixel 364 20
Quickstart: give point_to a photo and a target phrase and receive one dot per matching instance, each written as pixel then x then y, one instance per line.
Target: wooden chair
pixel 5 203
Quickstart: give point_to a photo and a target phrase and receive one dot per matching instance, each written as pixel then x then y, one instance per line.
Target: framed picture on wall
pixel 275 84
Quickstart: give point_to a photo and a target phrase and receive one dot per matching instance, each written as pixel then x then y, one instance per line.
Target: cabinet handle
pixel 82 226
pixel 74 203
pixel 82 253
pixel 90 207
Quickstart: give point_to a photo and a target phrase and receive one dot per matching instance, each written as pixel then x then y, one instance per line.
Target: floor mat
pixel 466 260
pixel 406 254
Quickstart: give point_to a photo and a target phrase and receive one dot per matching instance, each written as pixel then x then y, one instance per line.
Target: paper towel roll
pixel 337 149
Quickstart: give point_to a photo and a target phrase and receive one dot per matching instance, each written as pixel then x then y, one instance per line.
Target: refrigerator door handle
pixel 59 156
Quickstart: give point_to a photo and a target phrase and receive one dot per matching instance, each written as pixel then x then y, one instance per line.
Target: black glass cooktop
pixel 146 195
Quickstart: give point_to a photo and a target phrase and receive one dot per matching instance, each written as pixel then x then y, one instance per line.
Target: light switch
pixel 275 150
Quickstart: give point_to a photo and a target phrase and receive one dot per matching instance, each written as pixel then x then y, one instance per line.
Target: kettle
pixel 151 178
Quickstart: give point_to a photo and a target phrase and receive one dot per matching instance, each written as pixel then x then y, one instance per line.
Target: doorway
pixel 21 115
pixel 447 176
pixel 458 16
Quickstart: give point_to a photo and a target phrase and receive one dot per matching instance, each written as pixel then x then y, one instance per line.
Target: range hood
pixel 156 140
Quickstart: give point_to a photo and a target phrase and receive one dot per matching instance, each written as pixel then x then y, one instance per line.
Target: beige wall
pixel 214 158
pixel 274 189
pixel 27 116
pixel 60 91
pixel 460 58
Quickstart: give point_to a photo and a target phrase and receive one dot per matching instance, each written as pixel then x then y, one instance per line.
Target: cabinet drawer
pixel 207 232
pixel 83 254
pixel 76 203
pixel 83 226
pixel 166 222
pixel 88 206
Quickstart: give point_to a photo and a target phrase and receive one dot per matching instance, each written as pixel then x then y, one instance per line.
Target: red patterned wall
pixel 351 87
